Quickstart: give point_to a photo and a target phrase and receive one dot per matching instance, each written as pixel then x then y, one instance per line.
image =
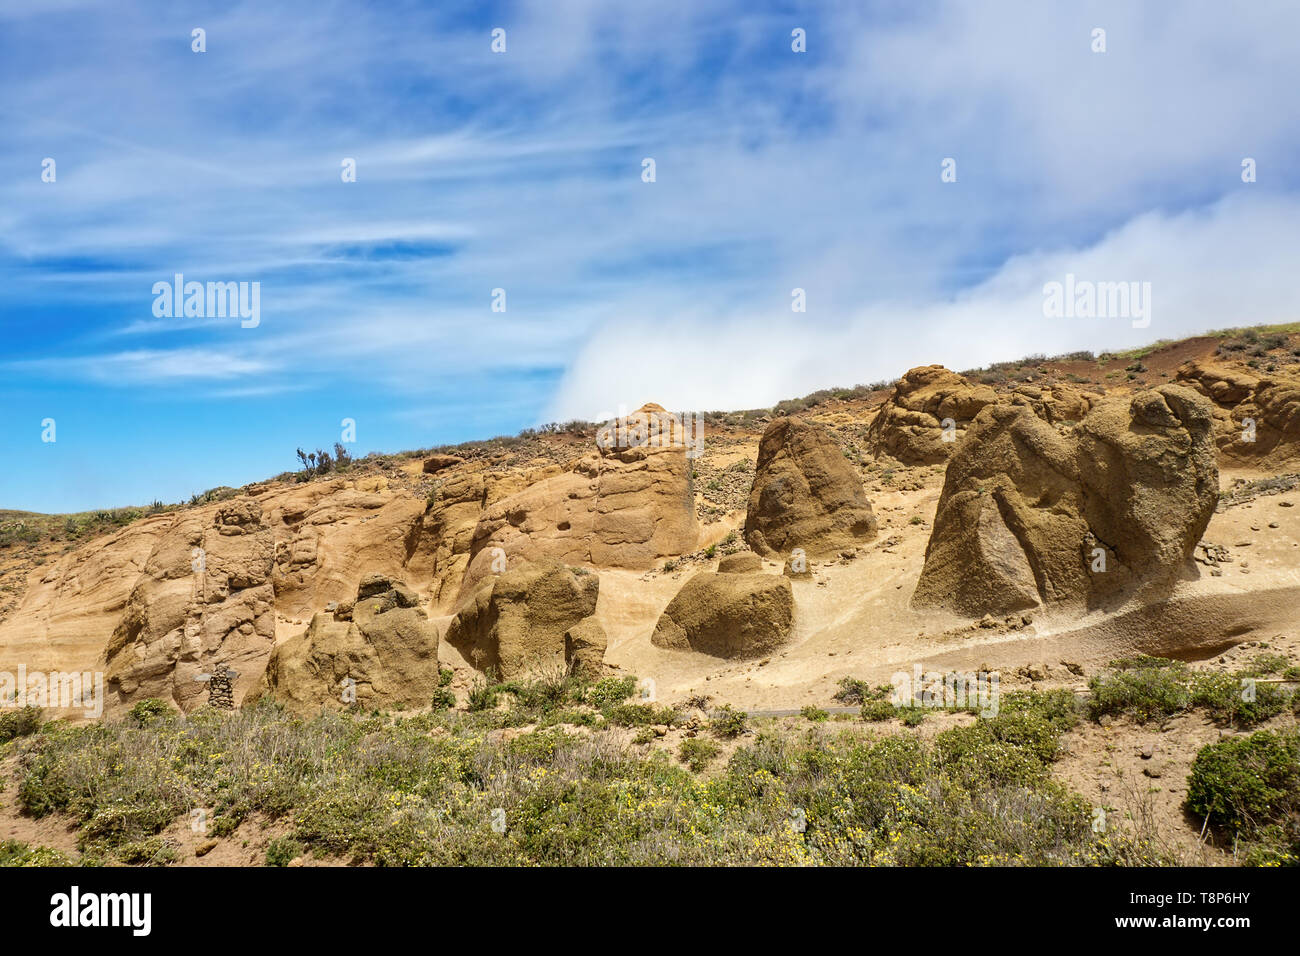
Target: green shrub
pixel 698 753
pixel 1223 696
pixel 727 721
pixel 1143 688
pixel 815 714
pixel 153 851
pixel 21 722
pixel 639 715
pixel 610 690
pixel 878 710
pixel 149 709
pixel 1246 782
pixel 443 699
pixel 483 695
pixel 282 850
pixel 16 853
pixel 911 716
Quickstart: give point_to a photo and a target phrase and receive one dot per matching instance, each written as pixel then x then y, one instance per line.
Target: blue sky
pixel 522 171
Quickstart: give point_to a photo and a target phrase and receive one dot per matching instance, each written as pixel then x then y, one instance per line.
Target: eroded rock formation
pixel 1031 516
pixel 805 494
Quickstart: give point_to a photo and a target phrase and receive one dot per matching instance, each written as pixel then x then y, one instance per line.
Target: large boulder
pixel 584 647
pixel 805 494
pixel 382 641
pixel 630 504
pixel 910 426
pixel 728 614
pixel 518 620
pixel 1031 515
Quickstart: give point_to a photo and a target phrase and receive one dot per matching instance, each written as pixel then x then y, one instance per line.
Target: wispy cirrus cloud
pixel 522 171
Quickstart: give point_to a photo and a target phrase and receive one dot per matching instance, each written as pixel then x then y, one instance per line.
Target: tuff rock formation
pixel 1256 417
pixel 630 504
pixel 735 614
pixel 204 596
pixel 910 425
pixel 377 651
pixel 805 494
pixel 1029 515
pixel 527 619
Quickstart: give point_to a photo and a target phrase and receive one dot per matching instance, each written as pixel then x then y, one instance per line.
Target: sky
pixel 524 170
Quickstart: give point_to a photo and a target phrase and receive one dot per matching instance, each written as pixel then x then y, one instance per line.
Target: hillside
pixel 1058 522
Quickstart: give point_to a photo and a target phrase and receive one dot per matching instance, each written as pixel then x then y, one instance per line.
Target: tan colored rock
pixel 743 562
pixel 1056 403
pixel 204 597
pixel 1256 417
pixel 1031 516
pixel 584 647
pixel 517 621
pixel 805 494
pixel 910 425
pixel 436 463
pixel 329 534
pixel 388 648
pixel 733 615
pixel 624 506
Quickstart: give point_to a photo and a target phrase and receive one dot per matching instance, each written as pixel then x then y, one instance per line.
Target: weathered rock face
pixel 1149 476
pixel 805 494
pixel 518 621
pixel 1256 417
pixel 1056 403
pixel 205 596
pixel 1031 516
pixel 584 647
pixel 744 562
pixel 171 595
pixel 329 534
pixel 628 505
pixel 383 642
pixel 729 614
pixel 436 463
pixel 910 425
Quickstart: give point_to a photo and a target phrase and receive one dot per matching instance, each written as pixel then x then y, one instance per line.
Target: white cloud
pixel 1229 264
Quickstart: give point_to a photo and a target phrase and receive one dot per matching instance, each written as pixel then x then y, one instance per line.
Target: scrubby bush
pixel 282 850
pixel 698 753
pixel 19 722
pixel 727 721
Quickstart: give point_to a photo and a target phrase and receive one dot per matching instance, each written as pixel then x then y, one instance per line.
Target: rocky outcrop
pixel 1029 515
pixel 1057 403
pixel 629 504
pixel 1256 417
pixel 805 494
pixel 329 534
pixel 436 463
pixel 204 597
pixel 728 614
pixel 172 595
pixel 377 651
pixel 928 411
pixel 584 647
pixel 524 619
